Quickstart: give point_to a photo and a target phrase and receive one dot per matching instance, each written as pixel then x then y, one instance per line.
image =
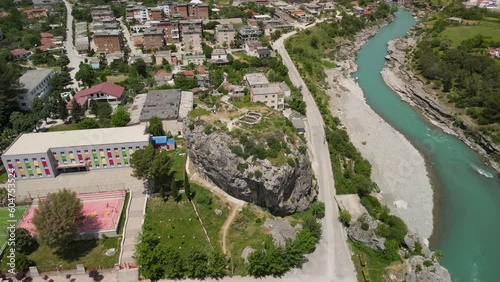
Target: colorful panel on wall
pixel 63 157
pixel 89 163
pixel 124 153
pixel 38 171
pixel 56 158
pixel 21 172
pixel 47 171
pixel 27 164
pixel 102 155
pixel 44 163
pixel 118 161
pixel 35 163
pixel 10 165
pixel 109 154
pixel 103 161
pixel 94 154
pixel 71 156
pixel 125 160
pixel 30 172
pixel 117 153
pixel 87 156
pixel 130 152
pixel 96 162
pixel 19 164
pixel 80 156
pixel 111 162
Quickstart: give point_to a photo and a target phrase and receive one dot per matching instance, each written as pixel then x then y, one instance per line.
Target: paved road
pixel 74 58
pixel 134 51
pixel 332 259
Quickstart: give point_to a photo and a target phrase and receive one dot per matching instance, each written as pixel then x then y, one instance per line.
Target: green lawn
pixel 457 34
pixel 90 253
pixel 4 216
pixel 3 177
pixel 116 78
pixel 245 231
pixel 64 127
pixel 374 264
pixel 175 223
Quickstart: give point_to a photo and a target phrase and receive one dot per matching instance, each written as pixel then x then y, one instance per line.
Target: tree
pixel 63 62
pixel 22 122
pixel 77 111
pixel 86 74
pixel 195 263
pixel 187 186
pixel 156 127
pixel 58 219
pixel 318 209
pixel 160 170
pixel 345 217
pixel 217 264
pixel 120 118
pixel 24 241
pixel 88 123
pixel 60 80
pixel 141 162
pixel 9 89
pixel 141 67
pixel 174 190
pixel 39 110
pixel 185 83
pixel 62 111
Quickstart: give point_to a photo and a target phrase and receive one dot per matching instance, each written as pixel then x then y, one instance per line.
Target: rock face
pixel 284 189
pixel 367 237
pixel 416 270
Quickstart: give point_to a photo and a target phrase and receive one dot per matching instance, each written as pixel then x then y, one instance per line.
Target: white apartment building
pixel 37 85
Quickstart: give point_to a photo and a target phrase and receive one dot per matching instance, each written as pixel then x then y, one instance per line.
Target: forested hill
pixel 455 58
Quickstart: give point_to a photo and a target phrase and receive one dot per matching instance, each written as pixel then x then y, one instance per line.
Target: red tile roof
pixel 46 35
pixel 105 87
pixel 188 73
pixel 200 69
pixel 367 12
pixel 19 52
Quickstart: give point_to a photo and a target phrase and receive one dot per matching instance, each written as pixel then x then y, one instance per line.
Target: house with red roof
pixel 162 77
pixel 104 92
pixel 188 73
pixel 20 53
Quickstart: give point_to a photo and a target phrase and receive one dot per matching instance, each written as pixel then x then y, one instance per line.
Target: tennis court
pixel 101 211
pixel 4 216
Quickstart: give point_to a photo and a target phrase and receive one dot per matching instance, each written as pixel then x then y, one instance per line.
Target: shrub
pixel 391 250
pixel 428 263
pixel 418 248
pixel 318 209
pixel 242 166
pixel 365 226
pixel 345 217
pixel 258 174
pixel 418 268
pixel 291 162
pixel 204 199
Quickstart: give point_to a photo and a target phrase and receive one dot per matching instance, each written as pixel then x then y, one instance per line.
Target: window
pixel 78 151
pixel 35 162
pixel 70 152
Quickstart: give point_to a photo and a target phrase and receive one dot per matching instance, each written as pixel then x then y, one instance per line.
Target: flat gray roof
pixel 268 90
pixel 32 77
pixel 31 143
pixel 161 103
pixel 256 79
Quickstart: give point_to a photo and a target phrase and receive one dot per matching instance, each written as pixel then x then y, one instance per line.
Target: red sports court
pixel 101 210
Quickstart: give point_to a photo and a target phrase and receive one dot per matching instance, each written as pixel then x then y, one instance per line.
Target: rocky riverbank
pixel 413 90
pixel 398 168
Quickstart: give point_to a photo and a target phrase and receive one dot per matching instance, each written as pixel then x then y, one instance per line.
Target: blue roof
pixel 162 140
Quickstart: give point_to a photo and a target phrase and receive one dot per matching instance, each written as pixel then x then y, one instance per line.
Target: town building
pixel 219 56
pixel 163 143
pixel 108 41
pixel 156 14
pixel 48 154
pixel 36 13
pixel 195 59
pixel 137 13
pixel 224 33
pixel 264 53
pixel 163 104
pixel 170 30
pixel 82 44
pixel 261 90
pixel 162 77
pixel 153 38
pixel 106 91
pixel 192 10
pixel 36 84
pixel 249 33
pixel 20 53
pixel 161 55
pixel 192 37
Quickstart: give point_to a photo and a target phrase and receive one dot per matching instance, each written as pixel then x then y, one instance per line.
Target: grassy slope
pixel 489 29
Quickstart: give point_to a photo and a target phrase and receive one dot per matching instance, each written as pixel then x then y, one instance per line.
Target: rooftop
pixel 32 77
pixel 31 143
pixel 224 27
pixel 256 79
pixel 218 52
pixel 161 103
pixel 267 90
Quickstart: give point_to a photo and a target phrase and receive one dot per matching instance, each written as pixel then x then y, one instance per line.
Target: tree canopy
pixel 156 127
pixel 120 118
pixel 58 219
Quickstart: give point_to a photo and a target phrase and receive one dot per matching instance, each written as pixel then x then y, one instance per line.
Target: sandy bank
pixel 398 168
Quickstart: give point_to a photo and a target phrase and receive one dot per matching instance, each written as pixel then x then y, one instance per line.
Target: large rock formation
pixel 283 189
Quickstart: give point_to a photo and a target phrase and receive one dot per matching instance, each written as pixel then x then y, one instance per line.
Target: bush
pixel 291 162
pixel 204 198
pixel 365 226
pixel 318 209
pixel 258 174
pixel 428 263
pixel 418 248
pixel 372 205
pixel 242 166
pixel 345 217
pixel 418 268
pixel 391 250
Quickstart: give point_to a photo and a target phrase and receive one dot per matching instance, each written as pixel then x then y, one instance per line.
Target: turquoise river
pixel 466 191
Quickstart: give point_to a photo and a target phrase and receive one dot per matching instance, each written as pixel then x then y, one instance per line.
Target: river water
pixel 466 192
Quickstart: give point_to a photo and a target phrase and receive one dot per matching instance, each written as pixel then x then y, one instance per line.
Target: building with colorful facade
pixel 41 155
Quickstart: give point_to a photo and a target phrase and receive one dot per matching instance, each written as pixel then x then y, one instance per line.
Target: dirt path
pixel 227 223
